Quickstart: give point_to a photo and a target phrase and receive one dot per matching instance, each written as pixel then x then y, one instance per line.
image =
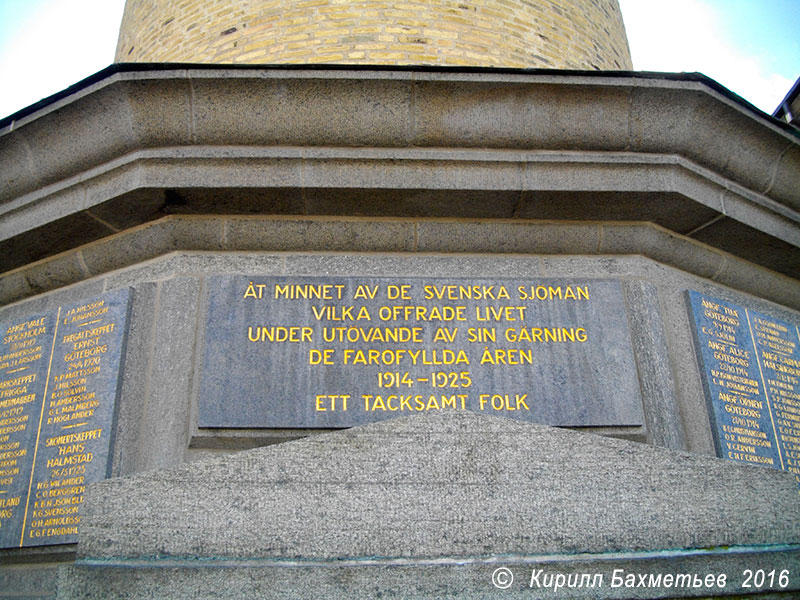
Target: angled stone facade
pixel 156 180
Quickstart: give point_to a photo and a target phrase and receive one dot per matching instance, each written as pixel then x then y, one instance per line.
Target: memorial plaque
pixel 314 352
pixel 59 379
pixel 751 376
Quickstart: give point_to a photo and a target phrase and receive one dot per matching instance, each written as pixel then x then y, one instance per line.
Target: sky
pixel 752 47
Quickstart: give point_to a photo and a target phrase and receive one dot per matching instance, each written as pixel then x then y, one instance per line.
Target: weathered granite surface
pixel 432 504
pixel 134 143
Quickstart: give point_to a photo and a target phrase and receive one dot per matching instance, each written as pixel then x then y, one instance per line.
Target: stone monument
pixel 377 330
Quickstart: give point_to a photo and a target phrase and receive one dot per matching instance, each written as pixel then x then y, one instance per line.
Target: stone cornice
pixel 133 110
pixel 270 235
pixel 307 129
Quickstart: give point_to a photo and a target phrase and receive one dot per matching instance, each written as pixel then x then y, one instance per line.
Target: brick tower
pixel 563 34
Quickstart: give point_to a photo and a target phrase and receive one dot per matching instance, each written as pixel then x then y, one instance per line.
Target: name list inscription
pixel 312 352
pixel 59 375
pixel 751 367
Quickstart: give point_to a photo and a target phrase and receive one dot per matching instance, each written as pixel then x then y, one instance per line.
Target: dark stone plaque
pixel 751 375
pixel 59 378
pixel 314 352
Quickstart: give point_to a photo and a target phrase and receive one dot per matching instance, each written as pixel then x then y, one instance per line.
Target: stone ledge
pixel 462 578
pixel 668 113
pixel 133 130
pixel 336 235
pixel 377 169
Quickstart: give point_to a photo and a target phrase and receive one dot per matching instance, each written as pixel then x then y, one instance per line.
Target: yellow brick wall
pixel 567 34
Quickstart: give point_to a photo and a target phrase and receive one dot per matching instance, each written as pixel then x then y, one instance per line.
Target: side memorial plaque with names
pixel 750 364
pixel 328 352
pixel 59 380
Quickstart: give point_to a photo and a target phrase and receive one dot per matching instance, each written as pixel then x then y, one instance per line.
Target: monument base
pixel 551 577
pixel 448 504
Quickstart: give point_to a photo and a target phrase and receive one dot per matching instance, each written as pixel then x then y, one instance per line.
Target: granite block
pixel 452 484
